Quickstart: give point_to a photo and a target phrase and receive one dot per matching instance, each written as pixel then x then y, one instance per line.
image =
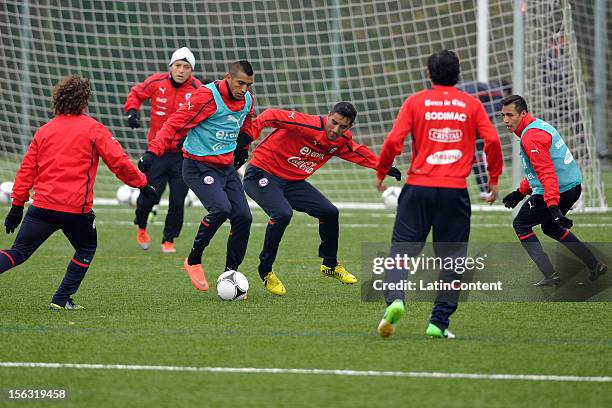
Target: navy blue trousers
pixel 38 225
pixel 420 210
pixel 278 198
pixel 222 194
pixel 535 212
pixel 168 170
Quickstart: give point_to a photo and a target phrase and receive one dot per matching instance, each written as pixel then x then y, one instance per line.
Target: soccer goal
pixel 306 55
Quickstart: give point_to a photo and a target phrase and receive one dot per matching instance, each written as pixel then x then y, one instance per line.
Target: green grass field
pixel 142 310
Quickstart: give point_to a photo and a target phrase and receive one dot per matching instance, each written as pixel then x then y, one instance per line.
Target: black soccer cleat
pixel 553 282
pixel 596 272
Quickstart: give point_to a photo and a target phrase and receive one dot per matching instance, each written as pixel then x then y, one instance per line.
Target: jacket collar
pixel 524 123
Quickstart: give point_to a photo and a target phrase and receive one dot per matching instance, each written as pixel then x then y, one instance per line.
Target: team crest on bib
pixel 187 96
pixel 263 182
pixel 209 180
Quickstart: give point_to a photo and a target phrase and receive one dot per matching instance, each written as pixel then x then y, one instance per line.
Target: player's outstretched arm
pixel 198 108
pixel 394 143
pixel 536 145
pixel 492 146
pixel 26 175
pixel 116 159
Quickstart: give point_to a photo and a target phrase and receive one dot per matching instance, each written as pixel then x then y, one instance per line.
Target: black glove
pixel 145 162
pixel 13 219
pixel 149 193
pixel 559 218
pixel 394 172
pixel 133 118
pixel 512 199
pixel 241 154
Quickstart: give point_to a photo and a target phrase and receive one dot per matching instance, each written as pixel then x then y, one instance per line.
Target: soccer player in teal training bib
pixel 209 125
pixel 554 183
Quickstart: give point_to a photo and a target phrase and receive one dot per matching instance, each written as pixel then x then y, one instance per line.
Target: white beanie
pixel 183 54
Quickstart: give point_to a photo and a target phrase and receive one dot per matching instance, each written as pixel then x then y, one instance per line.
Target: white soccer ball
pixel 191 199
pixel 134 196
pixel 123 194
pixel 232 285
pixel 6 189
pixel 390 197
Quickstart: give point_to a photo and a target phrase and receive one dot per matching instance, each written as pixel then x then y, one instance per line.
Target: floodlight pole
pixel 518 84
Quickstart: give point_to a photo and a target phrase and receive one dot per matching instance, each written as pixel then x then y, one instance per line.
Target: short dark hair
pixel 241 66
pixel 444 68
pixel 518 101
pixel 345 109
pixel 71 95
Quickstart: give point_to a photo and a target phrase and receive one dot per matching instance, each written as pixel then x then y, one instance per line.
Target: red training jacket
pixel 165 98
pixel 444 123
pixel 299 146
pixel 540 141
pixel 201 106
pixel 62 161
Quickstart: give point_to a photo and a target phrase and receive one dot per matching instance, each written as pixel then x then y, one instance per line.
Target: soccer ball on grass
pixel 232 285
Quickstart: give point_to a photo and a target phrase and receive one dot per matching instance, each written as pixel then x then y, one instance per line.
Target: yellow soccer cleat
pixel 339 273
pixel 274 285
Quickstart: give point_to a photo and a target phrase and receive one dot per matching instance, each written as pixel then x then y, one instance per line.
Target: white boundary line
pixel 369 206
pixel 314 371
pixel 344 225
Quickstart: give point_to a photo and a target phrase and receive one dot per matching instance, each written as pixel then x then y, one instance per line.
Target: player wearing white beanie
pixel 167 91
pixel 183 54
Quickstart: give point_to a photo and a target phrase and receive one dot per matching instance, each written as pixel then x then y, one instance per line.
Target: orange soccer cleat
pixel 196 274
pixel 143 238
pixel 168 247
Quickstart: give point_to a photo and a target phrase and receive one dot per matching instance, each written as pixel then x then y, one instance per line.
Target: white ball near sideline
pixel 127 195
pixel 390 197
pixel 134 196
pixel 191 199
pixel 123 194
pixel 6 189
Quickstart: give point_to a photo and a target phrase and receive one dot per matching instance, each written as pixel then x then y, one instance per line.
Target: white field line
pixel 342 225
pixel 314 371
pixel 364 206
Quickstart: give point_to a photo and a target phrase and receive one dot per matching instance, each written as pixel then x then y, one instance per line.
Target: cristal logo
pixel 444 157
pixel 445 135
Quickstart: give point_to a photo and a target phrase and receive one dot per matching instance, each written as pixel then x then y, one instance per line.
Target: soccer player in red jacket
pixel 554 183
pixel 211 122
pixel 61 165
pixel 276 180
pixel 444 123
pixel 167 91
